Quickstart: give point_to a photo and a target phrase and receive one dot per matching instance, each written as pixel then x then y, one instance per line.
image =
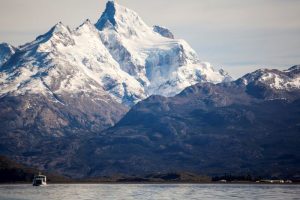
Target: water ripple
pixel 149 192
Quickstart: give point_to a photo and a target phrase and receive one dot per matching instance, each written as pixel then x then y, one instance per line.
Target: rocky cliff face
pixel 6 51
pixel 163 32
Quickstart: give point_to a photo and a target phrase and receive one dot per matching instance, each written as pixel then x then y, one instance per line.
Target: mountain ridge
pixel 159 65
pixel 208 128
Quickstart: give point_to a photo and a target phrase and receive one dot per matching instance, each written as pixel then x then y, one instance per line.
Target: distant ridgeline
pixel 12 172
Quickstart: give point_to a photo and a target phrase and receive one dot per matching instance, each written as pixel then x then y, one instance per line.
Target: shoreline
pixel 150 183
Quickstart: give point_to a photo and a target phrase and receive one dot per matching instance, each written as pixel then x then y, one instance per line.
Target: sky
pixel 236 35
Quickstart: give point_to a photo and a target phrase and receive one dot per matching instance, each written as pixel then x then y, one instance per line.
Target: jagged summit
pixel 58 28
pixel 108 16
pixel 88 27
pixel 58 34
pixel 87 22
pixel 122 20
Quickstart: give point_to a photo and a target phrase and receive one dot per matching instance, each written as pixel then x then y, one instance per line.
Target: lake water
pixel 149 191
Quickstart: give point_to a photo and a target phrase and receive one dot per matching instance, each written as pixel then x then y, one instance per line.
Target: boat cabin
pixel 39 180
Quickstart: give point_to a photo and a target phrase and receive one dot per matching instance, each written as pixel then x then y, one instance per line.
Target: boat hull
pixel 43 184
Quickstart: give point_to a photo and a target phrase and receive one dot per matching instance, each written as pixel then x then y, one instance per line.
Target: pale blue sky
pixel 237 35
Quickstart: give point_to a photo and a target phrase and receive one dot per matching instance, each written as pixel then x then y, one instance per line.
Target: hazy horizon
pixel 236 36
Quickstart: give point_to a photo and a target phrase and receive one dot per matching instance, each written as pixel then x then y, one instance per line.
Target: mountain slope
pixel 208 129
pixel 73 58
pixel 45 90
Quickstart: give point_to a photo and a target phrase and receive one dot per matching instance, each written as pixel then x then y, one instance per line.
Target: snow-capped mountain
pixel 162 65
pixel 6 51
pixel 279 80
pixel 272 84
pixel 121 54
pixel 52 86
pixel 68 61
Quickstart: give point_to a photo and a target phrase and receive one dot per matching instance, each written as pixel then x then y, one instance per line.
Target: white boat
pixel 39 180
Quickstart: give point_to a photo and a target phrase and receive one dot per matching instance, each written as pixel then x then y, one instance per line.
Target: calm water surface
pixel 149 191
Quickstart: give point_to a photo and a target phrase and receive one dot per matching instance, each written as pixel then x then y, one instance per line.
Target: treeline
pixel 251 178
pixel 13 172
pixel 230 178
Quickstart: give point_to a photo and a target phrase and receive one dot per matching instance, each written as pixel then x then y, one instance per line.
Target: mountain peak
pixel 87 30
pixel 58 28
pixel 108 16
pixel 59 33
pixel 86 24
pixel 121 19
